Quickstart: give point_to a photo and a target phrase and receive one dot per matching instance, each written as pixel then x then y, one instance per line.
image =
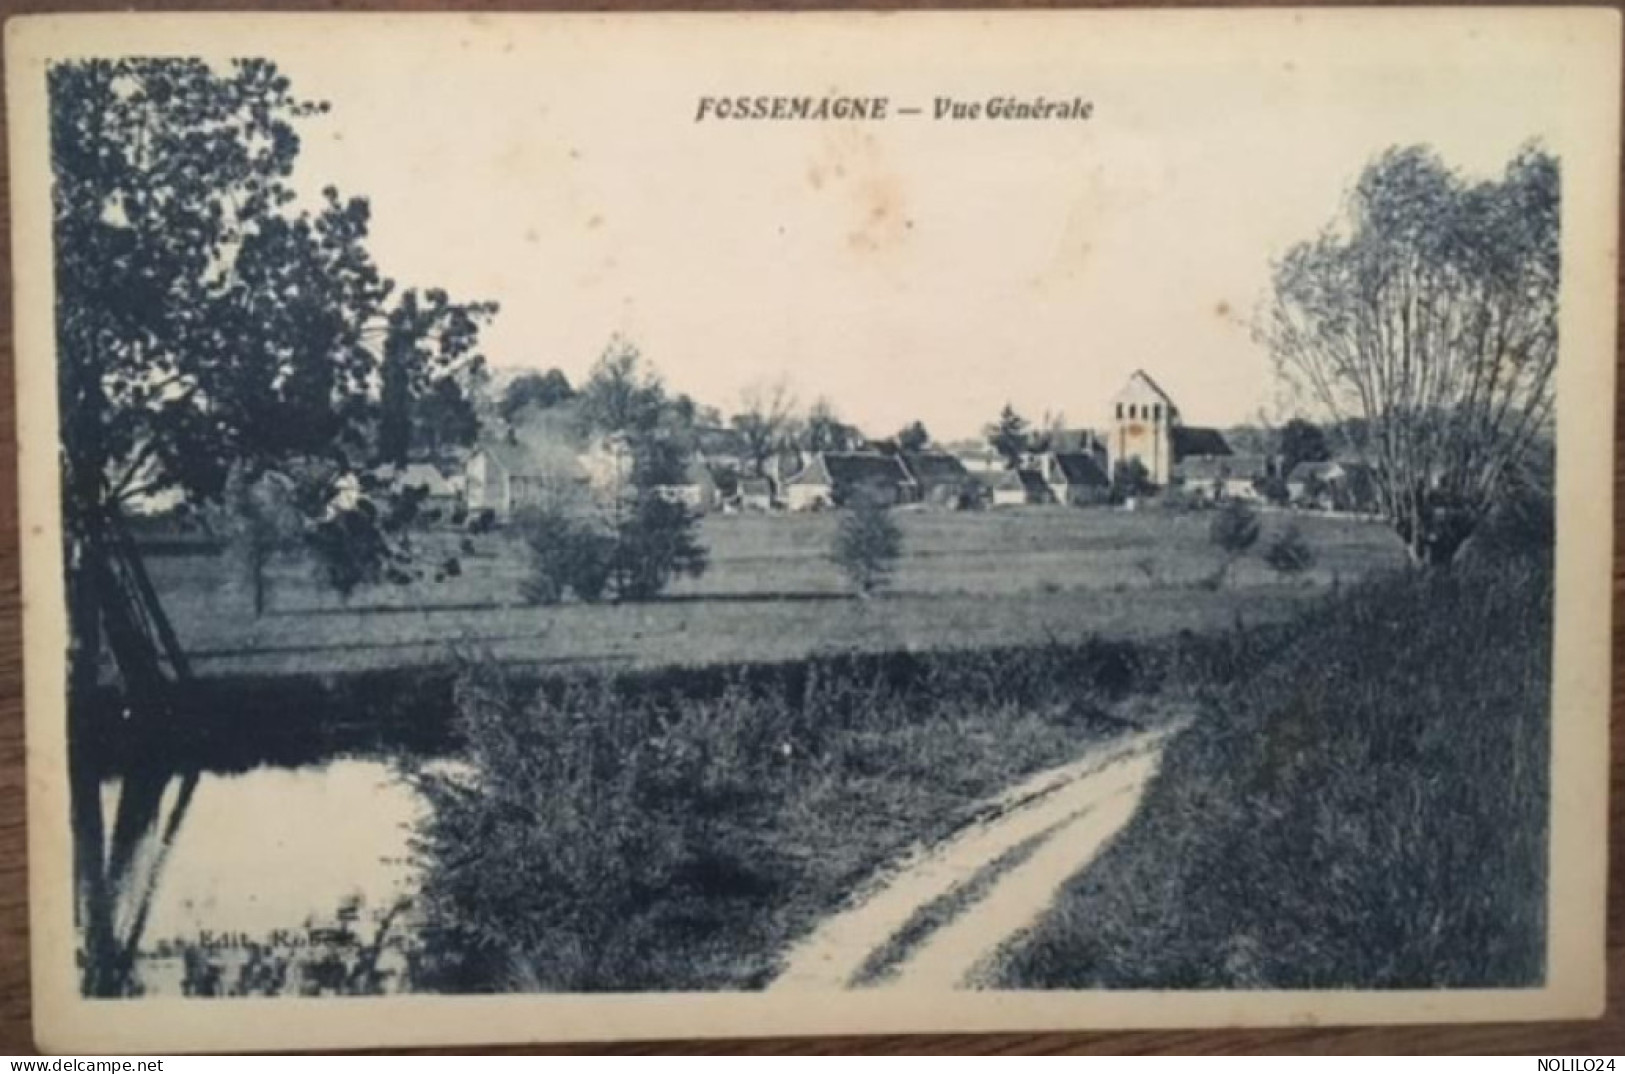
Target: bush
pixel 867 545
pixel 1130 479
pixel 676 829
pixel 541 854
pixel 1289 552
pixel 567 555
pixel 655 542
pixel 1234 529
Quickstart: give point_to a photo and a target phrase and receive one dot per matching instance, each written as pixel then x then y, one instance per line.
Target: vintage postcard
pixel 596 526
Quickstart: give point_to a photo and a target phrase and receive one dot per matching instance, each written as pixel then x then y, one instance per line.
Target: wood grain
pixel 1565 1038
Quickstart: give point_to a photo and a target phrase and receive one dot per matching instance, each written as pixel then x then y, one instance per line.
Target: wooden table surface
pixel 1552 1039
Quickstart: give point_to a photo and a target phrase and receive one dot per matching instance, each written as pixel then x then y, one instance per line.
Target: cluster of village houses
pixel 500 477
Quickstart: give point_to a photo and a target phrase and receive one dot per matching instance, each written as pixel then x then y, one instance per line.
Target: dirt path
pixel 959 894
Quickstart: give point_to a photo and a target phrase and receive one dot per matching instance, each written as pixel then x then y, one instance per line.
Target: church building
pixel 1145 425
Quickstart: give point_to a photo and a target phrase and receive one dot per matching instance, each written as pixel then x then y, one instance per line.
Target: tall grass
pixel 662 833
pixel 1370 810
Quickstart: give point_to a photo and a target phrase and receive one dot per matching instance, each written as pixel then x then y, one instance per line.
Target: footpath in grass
pixel 1370 811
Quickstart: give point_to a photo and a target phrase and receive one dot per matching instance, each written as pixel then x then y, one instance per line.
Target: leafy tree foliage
pixel 1009 436
pixel 263 519
pixel 1301 441
pixel 1288 552
pixel 204 324
pixel 428 339
pixel 541 390
pixel 568 554
pixel 208 330
pixel 823 430
pixel 656 542
pixel 1130 478
pixel 622 395
pixel 1429 317
pixel 913 437
pixel 867 544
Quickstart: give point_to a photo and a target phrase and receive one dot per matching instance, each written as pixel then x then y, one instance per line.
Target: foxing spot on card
pixel 683 525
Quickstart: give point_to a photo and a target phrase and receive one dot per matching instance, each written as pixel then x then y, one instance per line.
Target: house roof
pixel 1196 440
pixel 1080 468
pixel 1072 439
pixel 525 459
pixel 1025 480
pixel 1330 470
pixel 426 477
pixel 1222 468
pixel 934 467
pixel 852 468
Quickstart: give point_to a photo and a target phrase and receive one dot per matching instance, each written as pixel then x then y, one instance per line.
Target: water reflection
pixel 280 879
pixel 275 848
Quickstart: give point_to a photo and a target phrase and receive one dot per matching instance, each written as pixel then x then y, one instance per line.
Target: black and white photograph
pixel 813 523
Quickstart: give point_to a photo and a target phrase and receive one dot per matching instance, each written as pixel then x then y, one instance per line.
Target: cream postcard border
pixel 1583 44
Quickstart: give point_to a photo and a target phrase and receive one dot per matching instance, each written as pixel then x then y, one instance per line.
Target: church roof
pixel 1141 388
pixel 1195 440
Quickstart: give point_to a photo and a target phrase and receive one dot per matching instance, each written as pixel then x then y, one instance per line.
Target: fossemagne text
pixel 769 107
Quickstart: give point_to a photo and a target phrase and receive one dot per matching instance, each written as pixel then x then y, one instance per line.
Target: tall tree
pixel 764 421
pixel 205 326
pixel 542 390
pixel 1429 315
pixel 823 430
pixel 621 394
pixel 1008 436
pixel 1301 441
pixel 428 340
pixel 913 437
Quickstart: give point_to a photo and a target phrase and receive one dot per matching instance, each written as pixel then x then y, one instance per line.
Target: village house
pixel 1335 485
pixel 1015 488
pixel 939 478
pixel 698 488
pixel 1224 477
pixel 504 476
pixel 1074 478
pixel 834 476
pixel 978 459
pixel 438 492
pixel 755 494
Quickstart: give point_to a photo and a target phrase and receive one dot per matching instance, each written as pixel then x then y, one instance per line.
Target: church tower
pixel 1142 421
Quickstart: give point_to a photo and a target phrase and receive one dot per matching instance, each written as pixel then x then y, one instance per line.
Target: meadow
pixel 966 580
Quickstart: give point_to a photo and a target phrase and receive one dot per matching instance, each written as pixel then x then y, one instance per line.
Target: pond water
pixel 271 869
pixel 274 848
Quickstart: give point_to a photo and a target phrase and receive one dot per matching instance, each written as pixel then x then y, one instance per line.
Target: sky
pixel 909 269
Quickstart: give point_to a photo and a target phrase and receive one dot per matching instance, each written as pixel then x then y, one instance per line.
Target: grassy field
pixel 966 580
pixel 1367 810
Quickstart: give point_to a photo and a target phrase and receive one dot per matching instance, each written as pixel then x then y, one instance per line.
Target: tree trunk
pixel 94 898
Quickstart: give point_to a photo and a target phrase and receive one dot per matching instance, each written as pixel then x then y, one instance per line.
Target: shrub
pixel 541 854
pixel 655 542
pixel 675 829
pixel 1289 553
pixel 1234 529
pixel 867 545
pixel 567 555
pixel 1130 478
